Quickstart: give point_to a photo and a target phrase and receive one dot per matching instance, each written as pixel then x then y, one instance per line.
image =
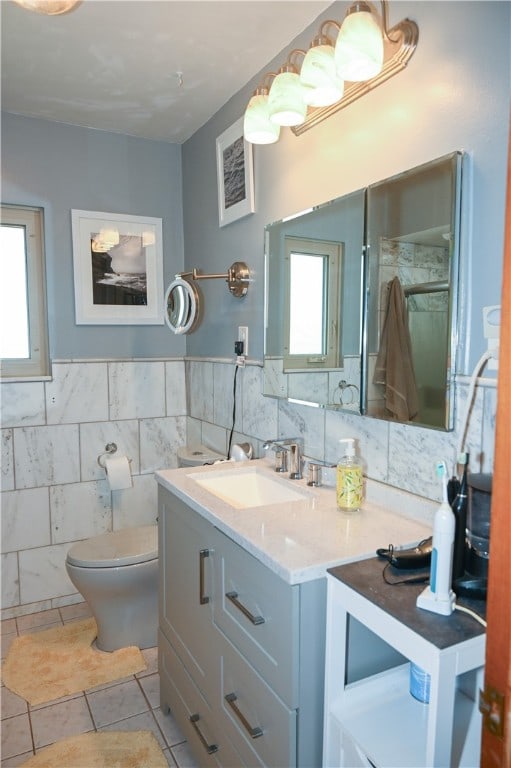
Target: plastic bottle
pixel 350 481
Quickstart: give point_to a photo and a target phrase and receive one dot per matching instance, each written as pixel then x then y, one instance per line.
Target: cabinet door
pixel 186 544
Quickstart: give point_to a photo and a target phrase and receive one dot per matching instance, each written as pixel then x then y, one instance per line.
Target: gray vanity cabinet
pixel 272 649
pixel 259 613
pixel 186 555
pixel 187 640
pixel 241 652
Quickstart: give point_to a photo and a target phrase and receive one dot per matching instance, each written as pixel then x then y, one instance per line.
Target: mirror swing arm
pixel 182 302
pixel 237 278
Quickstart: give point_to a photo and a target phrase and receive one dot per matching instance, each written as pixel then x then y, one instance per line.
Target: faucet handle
pixel 314 474
pixel 281 460
pixel 295 458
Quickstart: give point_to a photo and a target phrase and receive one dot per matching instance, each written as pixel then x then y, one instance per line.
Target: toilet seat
pixel 125 547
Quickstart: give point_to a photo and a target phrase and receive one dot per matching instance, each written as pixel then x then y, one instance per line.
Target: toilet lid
pixel 125 547
pixel 191 457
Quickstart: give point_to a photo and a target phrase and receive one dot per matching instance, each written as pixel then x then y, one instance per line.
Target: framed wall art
pixel 118 269
pixel 235 175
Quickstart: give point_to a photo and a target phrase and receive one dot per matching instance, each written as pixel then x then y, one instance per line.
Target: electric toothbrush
pixel 438 597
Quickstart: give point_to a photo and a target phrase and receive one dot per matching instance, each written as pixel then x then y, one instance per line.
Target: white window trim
pixel 37 365
pixel 332 357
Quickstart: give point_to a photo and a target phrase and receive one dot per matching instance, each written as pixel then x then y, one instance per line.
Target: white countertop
pixel 299 540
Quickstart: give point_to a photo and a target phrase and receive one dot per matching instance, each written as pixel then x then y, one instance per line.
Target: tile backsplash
pixel 54 492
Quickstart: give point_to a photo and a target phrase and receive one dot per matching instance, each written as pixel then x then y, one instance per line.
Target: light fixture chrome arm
pixel 237 278
pixel 384 24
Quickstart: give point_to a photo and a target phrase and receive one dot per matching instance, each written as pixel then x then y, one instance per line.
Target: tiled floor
pixel 128 704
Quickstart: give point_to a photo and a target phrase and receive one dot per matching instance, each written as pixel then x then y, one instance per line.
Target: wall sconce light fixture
pixel 286 105
pixel 257 126
pixel 319 77
pixel 331 76
pixel 359 46
pixel 48 7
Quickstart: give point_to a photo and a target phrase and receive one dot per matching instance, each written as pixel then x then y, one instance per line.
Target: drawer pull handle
pixel 203 554
pixel 233 597
pixel 210 748
pixel 231 699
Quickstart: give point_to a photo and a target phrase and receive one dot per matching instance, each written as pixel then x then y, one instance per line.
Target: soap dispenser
pixel 350 481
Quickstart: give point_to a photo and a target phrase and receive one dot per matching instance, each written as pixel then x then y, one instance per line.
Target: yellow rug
pixel 108 749
pixel 46 665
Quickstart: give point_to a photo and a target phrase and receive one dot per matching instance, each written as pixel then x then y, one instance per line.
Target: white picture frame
pixel 235 175
pixel 118 269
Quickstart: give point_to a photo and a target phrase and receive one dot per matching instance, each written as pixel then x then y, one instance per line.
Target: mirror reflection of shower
pixel 413 246
pixel 421 262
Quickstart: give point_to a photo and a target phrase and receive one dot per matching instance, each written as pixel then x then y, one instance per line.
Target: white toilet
pixel 195 457
pixel 117 574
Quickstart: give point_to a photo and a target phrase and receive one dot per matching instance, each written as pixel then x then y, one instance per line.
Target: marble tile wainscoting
pixel 397 454
pixel 54 492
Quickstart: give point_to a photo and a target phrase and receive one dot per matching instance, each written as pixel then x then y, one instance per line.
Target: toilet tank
pixel 188 456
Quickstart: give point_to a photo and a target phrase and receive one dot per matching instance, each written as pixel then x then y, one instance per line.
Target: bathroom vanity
pixel 243 608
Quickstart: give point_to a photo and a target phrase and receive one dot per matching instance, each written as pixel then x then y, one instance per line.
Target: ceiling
pixel 113 64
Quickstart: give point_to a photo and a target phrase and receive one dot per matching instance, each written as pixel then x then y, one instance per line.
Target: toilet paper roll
pixel 118 472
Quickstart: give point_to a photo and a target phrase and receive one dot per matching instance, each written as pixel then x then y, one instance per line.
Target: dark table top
pixel 399 601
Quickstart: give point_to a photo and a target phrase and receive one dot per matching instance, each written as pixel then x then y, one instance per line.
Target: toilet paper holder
pixel 110 448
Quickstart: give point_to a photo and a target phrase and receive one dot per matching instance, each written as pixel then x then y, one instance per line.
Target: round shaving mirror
pixel 181 306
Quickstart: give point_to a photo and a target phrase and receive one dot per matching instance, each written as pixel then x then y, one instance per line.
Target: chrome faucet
pixel 291 447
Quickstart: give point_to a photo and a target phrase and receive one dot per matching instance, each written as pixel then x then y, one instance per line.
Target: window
pixel 23 321
pixel 312 314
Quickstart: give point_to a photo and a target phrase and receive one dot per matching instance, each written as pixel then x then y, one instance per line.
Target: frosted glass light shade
pixel 359 47
pixel 285 100
pixel 48 7
pixel 321 84
pixel 257 126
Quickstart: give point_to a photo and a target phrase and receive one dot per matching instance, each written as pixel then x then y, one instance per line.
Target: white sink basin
pixel 248 488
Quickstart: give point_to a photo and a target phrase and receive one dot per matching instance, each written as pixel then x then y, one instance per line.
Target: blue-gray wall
pixel 452 96
pixel 60 168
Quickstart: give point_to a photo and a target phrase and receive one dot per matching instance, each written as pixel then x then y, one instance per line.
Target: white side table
pixel 375 721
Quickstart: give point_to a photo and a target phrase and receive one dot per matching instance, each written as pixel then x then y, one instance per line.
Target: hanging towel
pixel 394 364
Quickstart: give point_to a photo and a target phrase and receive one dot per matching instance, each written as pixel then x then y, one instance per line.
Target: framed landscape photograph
pixel 118 269
pixel 235 175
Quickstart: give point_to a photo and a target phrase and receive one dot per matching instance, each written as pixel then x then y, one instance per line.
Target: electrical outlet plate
pixel 491 326
pixel 243 336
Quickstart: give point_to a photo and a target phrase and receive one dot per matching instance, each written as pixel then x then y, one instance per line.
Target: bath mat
pixel 56 662
pixel 108 749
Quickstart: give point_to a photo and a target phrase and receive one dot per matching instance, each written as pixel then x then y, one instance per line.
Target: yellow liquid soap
pixel 350 488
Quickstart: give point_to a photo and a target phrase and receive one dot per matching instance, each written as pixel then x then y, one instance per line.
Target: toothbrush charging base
pixel 430 602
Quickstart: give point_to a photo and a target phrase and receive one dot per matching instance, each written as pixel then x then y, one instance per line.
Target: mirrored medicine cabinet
pixel 361 299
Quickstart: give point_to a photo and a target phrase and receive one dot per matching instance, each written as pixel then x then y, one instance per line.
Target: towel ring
pixel 341 388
